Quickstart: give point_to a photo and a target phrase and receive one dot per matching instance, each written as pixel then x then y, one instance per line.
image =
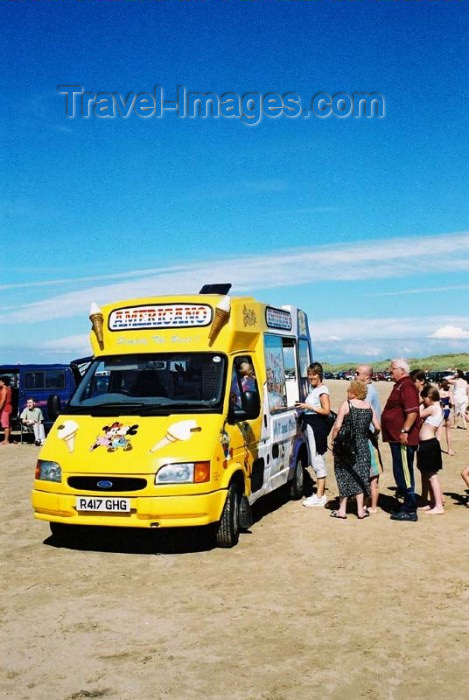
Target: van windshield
pixel 152 383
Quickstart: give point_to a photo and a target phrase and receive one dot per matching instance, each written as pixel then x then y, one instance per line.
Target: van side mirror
pixel 54 407
pixel 251 404
pixel 251 408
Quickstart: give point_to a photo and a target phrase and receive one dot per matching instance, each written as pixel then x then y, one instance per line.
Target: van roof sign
pixel 276 318
pixel 222 289
pixel 150 316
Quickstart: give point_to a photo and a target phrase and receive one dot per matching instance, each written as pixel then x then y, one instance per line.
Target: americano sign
pixel 160 316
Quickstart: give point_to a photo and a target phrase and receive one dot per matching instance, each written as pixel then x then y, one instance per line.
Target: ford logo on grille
pixel 104 484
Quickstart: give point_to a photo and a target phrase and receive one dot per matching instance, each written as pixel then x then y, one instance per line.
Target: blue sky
pixel 361 222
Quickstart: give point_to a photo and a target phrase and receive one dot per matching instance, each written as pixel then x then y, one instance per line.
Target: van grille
pixel 119 483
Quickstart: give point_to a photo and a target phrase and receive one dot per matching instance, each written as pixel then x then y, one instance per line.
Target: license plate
pixel 103 505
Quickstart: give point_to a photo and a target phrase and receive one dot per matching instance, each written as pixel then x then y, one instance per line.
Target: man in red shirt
pixel 400 424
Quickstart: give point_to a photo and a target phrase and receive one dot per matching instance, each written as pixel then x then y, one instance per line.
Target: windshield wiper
pixel 100 409
pixel 141 409
pixel 148 408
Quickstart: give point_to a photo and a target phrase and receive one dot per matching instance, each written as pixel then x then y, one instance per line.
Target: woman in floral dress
pixel 353 473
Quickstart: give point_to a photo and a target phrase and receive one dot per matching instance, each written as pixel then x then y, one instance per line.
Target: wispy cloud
pixel 336 339
pixel 343 263
pixel 96 278
pixel 72 344
pixel 452 332
pixel 235 189
pixel 64 129
pixel 420 290
pixel 378 338
pixel 398 329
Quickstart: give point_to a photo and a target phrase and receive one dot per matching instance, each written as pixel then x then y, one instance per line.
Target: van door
pixel 243 379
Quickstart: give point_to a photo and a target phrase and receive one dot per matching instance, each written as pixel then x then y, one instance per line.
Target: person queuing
pixel 352 472
pixel 316 407
pixel 32 417
pixel 465 478
pixel 364 373
pixel 446 401
pixel 6 408
pixel 419 378
pixel 400 428
pixel 460 394
pixel 429 460
pixel 465 471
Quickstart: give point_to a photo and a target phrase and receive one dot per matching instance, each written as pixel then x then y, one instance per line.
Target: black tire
pixel 227 534
pixel 62 532
pixel 297 483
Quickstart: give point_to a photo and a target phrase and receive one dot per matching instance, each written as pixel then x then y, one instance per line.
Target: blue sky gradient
pixel 361 222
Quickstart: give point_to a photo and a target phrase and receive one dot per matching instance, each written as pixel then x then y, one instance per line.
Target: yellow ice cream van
pixel 184 417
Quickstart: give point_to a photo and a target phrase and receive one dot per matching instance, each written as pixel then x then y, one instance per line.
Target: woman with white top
pixel 429 460
pixel 316 407
pixel 460 395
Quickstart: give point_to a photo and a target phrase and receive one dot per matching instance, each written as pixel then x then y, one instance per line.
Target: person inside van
pixel 248 380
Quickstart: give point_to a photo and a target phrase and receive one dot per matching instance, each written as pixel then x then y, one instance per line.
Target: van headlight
pixel 183 473
pixel 48 471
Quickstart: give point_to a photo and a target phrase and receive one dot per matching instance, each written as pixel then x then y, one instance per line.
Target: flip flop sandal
pixel 335 514
pixel 365 515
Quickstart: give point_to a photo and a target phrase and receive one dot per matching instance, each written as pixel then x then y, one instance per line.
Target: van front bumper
pixel 145 511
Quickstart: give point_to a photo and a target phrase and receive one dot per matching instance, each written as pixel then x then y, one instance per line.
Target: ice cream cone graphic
pixel 167 440
pixel 222 314
pixel 177 431
pixel 97 320
pixel 70 442
pixel 67 432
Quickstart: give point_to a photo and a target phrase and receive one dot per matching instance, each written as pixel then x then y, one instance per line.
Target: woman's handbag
pixel 330 420
pixel 344 443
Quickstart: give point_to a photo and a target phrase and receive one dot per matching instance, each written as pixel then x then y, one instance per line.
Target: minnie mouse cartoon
pixel 115 437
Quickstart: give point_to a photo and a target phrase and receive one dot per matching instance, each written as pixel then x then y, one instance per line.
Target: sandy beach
pixel 304 607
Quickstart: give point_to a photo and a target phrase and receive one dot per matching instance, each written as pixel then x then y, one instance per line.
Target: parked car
pixel 436 376
pixel 346 374
pixel 38 382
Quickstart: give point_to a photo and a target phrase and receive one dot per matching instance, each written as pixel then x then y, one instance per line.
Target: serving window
pixel 275 371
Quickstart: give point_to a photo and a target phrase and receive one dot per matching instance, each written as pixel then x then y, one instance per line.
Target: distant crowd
pixel 416 416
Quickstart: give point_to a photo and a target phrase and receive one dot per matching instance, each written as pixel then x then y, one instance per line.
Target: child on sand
pixel 446 401
pixel 465 478
pixel 429 460
pixel 465 471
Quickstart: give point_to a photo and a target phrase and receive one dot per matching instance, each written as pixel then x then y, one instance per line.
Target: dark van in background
pixel 38 382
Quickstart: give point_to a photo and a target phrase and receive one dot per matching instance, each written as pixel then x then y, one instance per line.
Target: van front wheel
pixel 62 532
pixel 228 527
pixel 297 483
